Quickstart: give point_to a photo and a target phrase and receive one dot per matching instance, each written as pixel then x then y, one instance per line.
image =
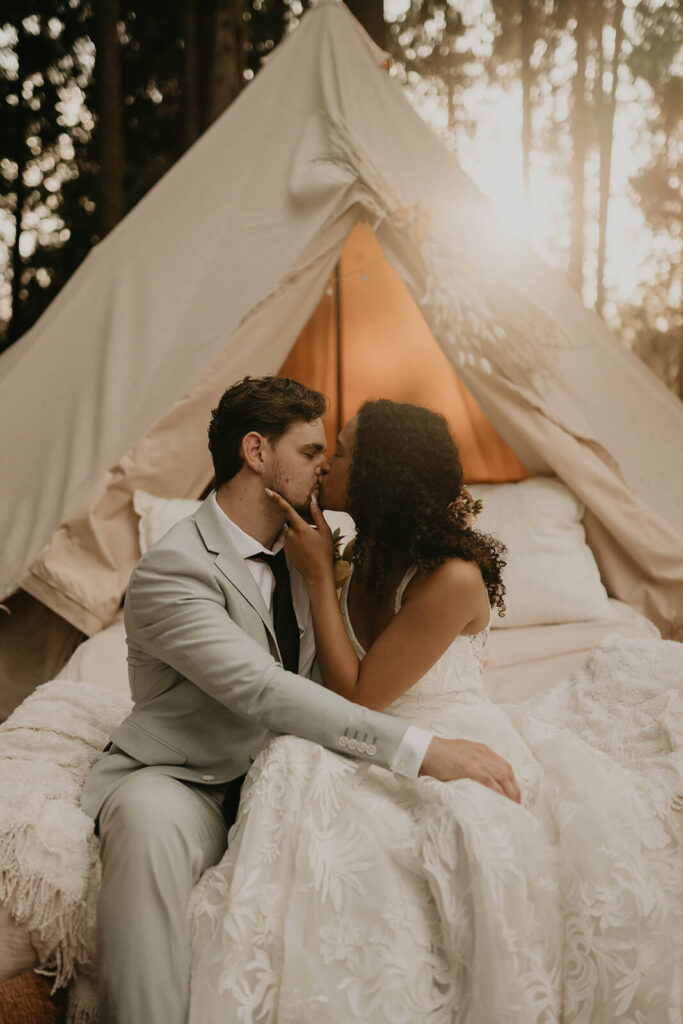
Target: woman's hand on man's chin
pixel 311 550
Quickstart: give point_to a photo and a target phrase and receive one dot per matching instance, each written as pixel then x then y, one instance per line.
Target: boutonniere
pixel 342 568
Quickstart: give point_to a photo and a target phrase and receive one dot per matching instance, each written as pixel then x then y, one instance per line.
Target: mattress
pixel 522 662
pixel 519 663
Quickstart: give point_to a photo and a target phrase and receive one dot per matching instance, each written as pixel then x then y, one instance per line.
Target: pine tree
pixel 45 67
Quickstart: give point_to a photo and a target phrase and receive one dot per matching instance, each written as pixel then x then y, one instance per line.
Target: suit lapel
pixel 230 562
pixel 232 565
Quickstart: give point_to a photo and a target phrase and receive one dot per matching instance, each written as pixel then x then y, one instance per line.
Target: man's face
pixel 297 460
pixel 335 476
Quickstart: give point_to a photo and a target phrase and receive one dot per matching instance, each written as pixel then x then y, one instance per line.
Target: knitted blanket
pixel 49 865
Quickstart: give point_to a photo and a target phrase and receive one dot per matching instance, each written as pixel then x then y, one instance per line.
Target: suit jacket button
pixel 353 744
pixel 343 741
pixel 372 749
pixel 362 747
pixel 208 778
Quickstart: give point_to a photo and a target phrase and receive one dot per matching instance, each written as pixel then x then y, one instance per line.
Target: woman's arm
pixel 311 551
pixel 437 608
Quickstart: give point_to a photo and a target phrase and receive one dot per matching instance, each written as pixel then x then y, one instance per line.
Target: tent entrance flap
pixel 368 320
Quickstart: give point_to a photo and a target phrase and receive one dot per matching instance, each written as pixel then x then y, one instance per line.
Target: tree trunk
pixel 606 129
pixel 579 124
pixel 191 73
pixel 15 328
pixel 110 115
pixel 527 42
pixel 227 63
pixel 450 93
pixel 370 14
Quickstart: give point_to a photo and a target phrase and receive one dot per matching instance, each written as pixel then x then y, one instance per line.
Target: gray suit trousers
pixel 158 835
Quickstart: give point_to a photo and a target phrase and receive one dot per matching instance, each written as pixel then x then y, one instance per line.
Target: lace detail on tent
pixel 480 319
pixel 460 317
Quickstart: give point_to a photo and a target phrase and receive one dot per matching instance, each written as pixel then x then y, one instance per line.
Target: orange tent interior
pixel 387 351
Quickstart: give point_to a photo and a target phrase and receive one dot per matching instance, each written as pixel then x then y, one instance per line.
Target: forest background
pixel 567 113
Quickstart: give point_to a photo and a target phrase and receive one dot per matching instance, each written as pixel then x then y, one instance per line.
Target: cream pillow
pixel 551 575
pixel 158 515
pixel 101 660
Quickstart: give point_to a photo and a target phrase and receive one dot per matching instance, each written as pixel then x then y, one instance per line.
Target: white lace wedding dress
pixel 351 894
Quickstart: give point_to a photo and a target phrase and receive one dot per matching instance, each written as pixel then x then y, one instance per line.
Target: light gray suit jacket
pixel 206 674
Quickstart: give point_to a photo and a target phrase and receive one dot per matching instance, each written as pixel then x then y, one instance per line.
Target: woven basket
pixel 26 999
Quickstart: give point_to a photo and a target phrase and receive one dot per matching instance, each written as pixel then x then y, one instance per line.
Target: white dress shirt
pixel 413 746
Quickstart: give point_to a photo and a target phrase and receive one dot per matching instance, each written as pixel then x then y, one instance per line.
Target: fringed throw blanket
pixel 49 866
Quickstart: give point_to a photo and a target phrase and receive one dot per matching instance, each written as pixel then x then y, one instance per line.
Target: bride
pixel 351 894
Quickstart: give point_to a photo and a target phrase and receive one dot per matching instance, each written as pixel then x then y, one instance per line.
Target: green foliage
pixel 434 40
pixel 44 63
pixel 655 324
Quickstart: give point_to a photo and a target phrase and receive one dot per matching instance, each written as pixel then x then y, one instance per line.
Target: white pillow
pixel 158 515
pixel 551 575
pixel 101 660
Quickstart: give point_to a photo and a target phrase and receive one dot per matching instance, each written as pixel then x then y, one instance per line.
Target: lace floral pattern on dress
pixel 348 893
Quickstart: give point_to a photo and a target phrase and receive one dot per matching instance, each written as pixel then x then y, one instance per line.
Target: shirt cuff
pixel 411 751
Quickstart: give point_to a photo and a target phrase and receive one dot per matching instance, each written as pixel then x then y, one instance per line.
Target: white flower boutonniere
pixel 342 568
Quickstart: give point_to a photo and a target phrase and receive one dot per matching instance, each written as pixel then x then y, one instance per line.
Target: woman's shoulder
pixel 453 578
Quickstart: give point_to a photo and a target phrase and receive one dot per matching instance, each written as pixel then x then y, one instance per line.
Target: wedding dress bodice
pixel 458 670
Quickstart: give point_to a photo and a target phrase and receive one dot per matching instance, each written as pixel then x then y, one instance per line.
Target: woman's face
pixel 334 480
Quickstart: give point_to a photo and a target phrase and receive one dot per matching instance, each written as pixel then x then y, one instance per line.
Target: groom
pixel 220 645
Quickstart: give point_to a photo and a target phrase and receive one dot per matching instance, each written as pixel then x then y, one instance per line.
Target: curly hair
pixel 268 405
pixel 404 474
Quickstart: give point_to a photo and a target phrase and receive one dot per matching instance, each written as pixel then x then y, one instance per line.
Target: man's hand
pixel 447 760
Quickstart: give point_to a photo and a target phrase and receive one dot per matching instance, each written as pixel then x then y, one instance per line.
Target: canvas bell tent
pixel 227 262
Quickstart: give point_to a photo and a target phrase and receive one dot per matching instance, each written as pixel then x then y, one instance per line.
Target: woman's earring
pixel 260 469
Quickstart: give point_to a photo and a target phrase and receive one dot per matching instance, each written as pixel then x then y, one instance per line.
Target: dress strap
pixel 344 608
pixel 401 589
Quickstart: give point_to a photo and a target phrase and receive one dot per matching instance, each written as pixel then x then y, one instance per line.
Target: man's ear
pixel 253 451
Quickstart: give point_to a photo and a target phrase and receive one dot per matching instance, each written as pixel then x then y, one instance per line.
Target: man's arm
pixel 177 612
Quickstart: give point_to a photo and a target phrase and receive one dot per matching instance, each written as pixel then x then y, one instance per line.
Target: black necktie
pixel 284 619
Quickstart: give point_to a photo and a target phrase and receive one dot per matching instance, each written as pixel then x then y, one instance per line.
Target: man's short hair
pixel 268 405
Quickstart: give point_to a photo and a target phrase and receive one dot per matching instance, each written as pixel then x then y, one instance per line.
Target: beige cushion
pixel 551 574
pixel 158 515
pixel 101 660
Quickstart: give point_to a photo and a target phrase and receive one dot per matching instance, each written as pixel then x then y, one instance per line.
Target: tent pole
pixel 338 345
